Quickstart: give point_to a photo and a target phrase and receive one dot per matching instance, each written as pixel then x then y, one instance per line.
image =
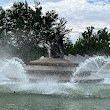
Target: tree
pixel 30 28
pixel 2 26
pixel 68 46
pixel 92 42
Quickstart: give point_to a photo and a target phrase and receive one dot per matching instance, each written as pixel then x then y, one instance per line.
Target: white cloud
pixel 81 14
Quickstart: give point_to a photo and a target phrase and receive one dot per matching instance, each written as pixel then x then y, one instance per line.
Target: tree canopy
pixel 27 31
pixel 91 42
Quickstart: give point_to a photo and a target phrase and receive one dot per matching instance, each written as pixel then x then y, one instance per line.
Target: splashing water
pixel 12 69
pixel 13 78
pixel 91 64
pixel 12 74
pixel 99 65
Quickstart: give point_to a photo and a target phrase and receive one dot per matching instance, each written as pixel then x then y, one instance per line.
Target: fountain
pixel 63 70
pixel 94 69
pixel 53 73
pixel 21 90
pixel 54 69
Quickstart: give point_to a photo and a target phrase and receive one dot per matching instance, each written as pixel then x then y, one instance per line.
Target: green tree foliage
pixel 28 30
pixel 2 25
pixel 68 46
pixel 91 42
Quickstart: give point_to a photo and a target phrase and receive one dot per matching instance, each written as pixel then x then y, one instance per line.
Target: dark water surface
pixel 22 101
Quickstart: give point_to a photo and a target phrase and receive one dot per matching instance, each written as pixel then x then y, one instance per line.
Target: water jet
pixel 45 77
pixel 88 70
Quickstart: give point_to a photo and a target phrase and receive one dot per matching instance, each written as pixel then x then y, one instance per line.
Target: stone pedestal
pixel 87 79
pixel 54 69
pixel 60 70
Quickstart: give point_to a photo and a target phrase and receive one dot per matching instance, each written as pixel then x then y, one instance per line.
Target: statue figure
pixel 57 49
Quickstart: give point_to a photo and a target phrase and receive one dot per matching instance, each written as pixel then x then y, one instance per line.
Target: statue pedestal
pixel 87 79
pixel 54 69
pixel 60 70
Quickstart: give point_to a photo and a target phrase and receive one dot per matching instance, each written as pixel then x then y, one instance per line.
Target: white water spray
pixel 12 69
pixel 13 78
pixel 98 65
pixel 93 64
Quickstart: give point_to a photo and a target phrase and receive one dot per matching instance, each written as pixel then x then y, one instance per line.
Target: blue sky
pixel 78 13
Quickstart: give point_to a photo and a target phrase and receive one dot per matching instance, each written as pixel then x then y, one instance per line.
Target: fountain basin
pixel 60 70
pixel 51 69
pixel 87 79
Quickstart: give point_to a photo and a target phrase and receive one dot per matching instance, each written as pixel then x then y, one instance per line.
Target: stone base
pixel 87 79
pixel 56 69
pixel 53 62
pixel 50 69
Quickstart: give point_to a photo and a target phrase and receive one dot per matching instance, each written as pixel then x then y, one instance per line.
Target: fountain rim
pixel 53 62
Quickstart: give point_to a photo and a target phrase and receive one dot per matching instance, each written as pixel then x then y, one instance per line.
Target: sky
pixel 78 13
